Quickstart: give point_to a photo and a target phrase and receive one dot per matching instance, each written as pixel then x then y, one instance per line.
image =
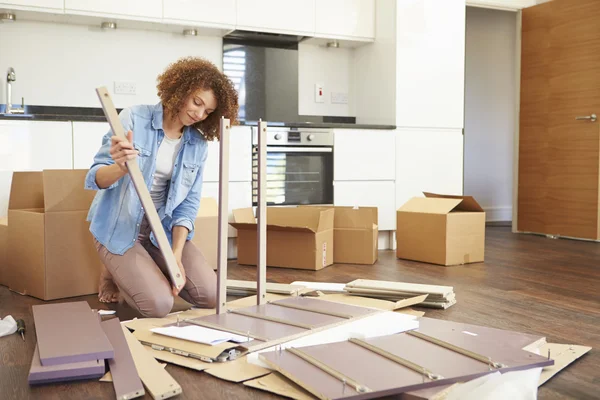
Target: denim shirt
pixel 116 212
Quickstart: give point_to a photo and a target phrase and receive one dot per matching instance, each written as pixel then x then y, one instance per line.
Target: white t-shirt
pixel 165 159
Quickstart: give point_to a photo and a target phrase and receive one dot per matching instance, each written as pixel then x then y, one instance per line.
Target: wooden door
pixel 559 155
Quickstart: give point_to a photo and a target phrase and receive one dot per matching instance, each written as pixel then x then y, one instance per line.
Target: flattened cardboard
pixel 563 355
pixel 3 248
pixel 182 361
pixel 206 230
pixel 236 371
pixel 52 253
pixel 276 383
pixel 297 237
pixel 441 229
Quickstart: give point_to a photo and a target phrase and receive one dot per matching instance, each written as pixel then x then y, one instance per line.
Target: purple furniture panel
pixel 65 372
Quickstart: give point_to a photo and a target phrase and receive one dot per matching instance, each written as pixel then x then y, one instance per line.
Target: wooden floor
pixel 528 283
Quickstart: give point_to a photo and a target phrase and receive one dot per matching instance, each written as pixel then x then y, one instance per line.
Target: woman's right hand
pixel 121 150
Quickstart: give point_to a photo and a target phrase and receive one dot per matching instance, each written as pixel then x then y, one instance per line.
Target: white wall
pixel 490 110
pixel 375 70
pixel 331 67
pixel 60 64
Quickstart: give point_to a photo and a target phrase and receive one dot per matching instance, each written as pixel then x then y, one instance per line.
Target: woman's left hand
pixel 178 256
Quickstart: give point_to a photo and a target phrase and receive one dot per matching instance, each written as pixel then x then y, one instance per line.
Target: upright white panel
pixel 364 155
pixel 203 12
pixel 87 140
pixel 289 16
pixel 345 18
pixel 379 194
pixel 133 9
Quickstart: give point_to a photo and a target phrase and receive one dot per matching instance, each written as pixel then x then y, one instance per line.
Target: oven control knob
pixel 277 136
pixel 310 137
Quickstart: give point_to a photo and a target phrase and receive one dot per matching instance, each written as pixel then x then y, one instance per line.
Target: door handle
pixel 592 117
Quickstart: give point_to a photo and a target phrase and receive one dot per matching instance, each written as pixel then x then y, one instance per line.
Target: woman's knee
pixel 158 306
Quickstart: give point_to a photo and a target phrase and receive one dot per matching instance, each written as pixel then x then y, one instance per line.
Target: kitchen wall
pixel 60 64
pixel 334 68
pixel 490 110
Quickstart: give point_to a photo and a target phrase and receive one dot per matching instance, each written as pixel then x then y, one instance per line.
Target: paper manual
pixel 379 324
pixel 199 334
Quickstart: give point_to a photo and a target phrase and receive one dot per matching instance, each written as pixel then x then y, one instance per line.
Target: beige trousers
pixel 141 276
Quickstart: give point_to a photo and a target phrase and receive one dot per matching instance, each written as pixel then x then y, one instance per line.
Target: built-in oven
pixel 299 166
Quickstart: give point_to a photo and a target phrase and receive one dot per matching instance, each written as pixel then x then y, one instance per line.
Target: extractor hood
pixel 264 39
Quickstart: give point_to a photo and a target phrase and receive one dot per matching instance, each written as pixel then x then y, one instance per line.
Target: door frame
pixel 515 189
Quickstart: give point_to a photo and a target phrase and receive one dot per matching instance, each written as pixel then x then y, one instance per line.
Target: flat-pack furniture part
pixel 436 354
pixel 69 333
pixel 142 190
pixel 39 374
pixel 126 380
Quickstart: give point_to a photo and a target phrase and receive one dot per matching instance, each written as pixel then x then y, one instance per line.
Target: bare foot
pixel 107 291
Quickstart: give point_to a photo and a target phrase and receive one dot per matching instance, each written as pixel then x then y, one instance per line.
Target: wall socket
pixel 125 87
pixel 339 98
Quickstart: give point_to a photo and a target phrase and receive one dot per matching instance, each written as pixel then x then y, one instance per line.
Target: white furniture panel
pixel 373 194
pixel 289 16
pixel 87 140
pixel 345 19
pixel 430 50
pixel 364 155
pixel 132 9
pixel 240 196
pixel 512 5
pixel 428 160
pixel 32 146
pixel 204 12
pixel 34 5
pixel 240 157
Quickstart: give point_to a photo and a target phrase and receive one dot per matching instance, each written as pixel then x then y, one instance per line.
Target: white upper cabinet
pixel 130 9
pixel 364 155
pixel 430 68
pixel 280 16
pixel 34 5
pixel 345 19
pixel 203 12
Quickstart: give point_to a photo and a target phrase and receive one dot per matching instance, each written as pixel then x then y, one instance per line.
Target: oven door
pixel 296 175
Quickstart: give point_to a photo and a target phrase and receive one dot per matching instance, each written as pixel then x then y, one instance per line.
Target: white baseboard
pixel 498 214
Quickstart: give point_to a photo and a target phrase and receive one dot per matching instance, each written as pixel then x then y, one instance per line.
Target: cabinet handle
pixel 592 117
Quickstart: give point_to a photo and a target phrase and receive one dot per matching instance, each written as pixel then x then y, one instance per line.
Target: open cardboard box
pixel 355 234
pixel 441 229
pixel 51 253
pixel 297 237
pixel 206 230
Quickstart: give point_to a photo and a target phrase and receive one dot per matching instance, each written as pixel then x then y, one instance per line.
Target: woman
pixel 169 141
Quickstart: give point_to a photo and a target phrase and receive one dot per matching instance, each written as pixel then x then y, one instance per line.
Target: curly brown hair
pixel 190 74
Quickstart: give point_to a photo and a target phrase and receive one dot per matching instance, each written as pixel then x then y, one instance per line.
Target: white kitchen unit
pixel 32 146
pixel 209 13
pixel 380 194
pixel 428 160
pixel 345 19
pixel 430 68
pixel 364 155
pixel 240 196
pixel 87 140
pixel 144 10
pixel 512 5
pixel 277 16
pixel 54 6
pixel 240 156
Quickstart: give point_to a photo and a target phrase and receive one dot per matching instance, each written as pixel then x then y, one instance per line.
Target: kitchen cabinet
pixel 130 9
pixel 87 140
pixel 428 160
pixel 364 155
pixel 240 157
pixel 290 16
pixel 32 146
pixel 34 5
pixel 200 12
pixel 380 194
pixel 240 196
pixel 345 19
pixel 430 49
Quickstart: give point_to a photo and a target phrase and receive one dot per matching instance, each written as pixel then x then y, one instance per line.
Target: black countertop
pixel 91 114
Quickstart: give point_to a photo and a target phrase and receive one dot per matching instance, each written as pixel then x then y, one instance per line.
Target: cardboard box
pixel 355 234
pixel 206 235
pixel 51 250
pixel 3 247
pixel 441 229
pixel 297 237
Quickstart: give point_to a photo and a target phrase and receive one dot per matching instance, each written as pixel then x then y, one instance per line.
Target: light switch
pixel 319 93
